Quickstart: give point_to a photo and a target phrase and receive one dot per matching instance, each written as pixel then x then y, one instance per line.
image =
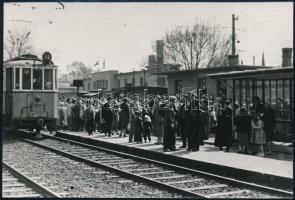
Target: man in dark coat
pixel 223 135
pixel 193 123
pixel 168 112
pixel 90 117
pixel 75 115
pixel 269 121
pixel 181 122
pixel 107 116
pixel 124 117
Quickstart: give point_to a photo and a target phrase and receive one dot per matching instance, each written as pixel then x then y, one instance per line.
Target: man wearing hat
pixel 169 112
pixel 193 116
pixel 69 106
pixel 181 121
pixel 90 117
pixel 224 127
pixel 158 120
pixel 124 117
pixel 107 116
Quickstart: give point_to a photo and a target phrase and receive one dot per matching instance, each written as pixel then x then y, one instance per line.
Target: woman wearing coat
pixel 124 118
pixel 158 121
pixel 223 135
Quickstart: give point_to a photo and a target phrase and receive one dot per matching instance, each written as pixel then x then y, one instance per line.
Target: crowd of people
pixel 166 117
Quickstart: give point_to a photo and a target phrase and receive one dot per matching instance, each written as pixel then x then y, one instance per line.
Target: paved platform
pixel 278 164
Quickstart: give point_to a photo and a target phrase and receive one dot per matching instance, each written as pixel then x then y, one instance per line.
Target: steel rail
pixel 177 168
pixel 182 169
pixel 121 172
pixel 41 189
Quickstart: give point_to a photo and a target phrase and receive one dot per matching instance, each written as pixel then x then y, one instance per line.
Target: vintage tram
pixel 30 92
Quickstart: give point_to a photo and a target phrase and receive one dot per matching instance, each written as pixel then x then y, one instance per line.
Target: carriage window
pixel 48 79
pixel 26 79
pixel 55 80
pixel 37 79
pixel 17 78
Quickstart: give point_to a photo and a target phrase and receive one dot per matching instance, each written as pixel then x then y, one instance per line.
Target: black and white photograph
pixel 148 99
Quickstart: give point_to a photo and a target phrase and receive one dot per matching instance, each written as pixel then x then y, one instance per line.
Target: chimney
pixel 287 57
pixel 263 61
pixel 160 51
pixel 152 60
pixel 233 60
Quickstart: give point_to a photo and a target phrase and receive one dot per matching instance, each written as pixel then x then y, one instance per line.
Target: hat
pixel 243 109
pixel 61 103
pixel 137 112
pixel 147 118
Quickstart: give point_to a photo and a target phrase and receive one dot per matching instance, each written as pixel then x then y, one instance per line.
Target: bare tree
pixel 203 45
pixel 143 63
pixel 17 42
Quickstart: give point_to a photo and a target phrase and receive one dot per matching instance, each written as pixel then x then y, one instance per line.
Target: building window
pixel 133 81
pixel 55 79
pixel 48 76
pixel 17 79
pixel 26 79
pixel 119 84
pixel 106 84
pixel 276 93
pixel 126 82
pixel 162 81
pixel 221 88
pixel 141 81
pixel 178 86
pixel 202 83
pixel 37 79
pixel 94 84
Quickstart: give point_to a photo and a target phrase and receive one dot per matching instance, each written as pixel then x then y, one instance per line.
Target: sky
pixel 122 34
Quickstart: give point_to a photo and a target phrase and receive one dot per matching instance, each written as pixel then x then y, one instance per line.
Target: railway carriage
pixel 31 94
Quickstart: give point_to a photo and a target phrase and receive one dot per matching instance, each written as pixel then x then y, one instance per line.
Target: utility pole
pixel 191 41
pixel 234 35
pixel 133 80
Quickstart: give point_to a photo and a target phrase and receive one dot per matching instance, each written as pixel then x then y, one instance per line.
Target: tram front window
pixel 37 79
pixel 17 78
pixel 26 79
pixel 48 79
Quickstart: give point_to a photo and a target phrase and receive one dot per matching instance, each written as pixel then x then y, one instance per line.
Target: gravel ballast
pixel 76 179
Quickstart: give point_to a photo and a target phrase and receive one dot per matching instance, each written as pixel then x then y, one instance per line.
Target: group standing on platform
pixel 188 116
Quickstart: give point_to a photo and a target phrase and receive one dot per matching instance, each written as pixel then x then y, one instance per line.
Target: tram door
pixel 8 96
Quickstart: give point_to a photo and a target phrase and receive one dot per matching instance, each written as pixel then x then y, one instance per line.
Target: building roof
pixel 131 72
pixel 220 68
pixel 252 72
pixel 107 71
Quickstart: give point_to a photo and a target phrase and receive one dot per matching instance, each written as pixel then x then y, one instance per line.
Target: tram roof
pixel 272 70
pixel 27 59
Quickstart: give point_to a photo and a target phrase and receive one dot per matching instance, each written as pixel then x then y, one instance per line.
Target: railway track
pixel 181 180
pixel 16 184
